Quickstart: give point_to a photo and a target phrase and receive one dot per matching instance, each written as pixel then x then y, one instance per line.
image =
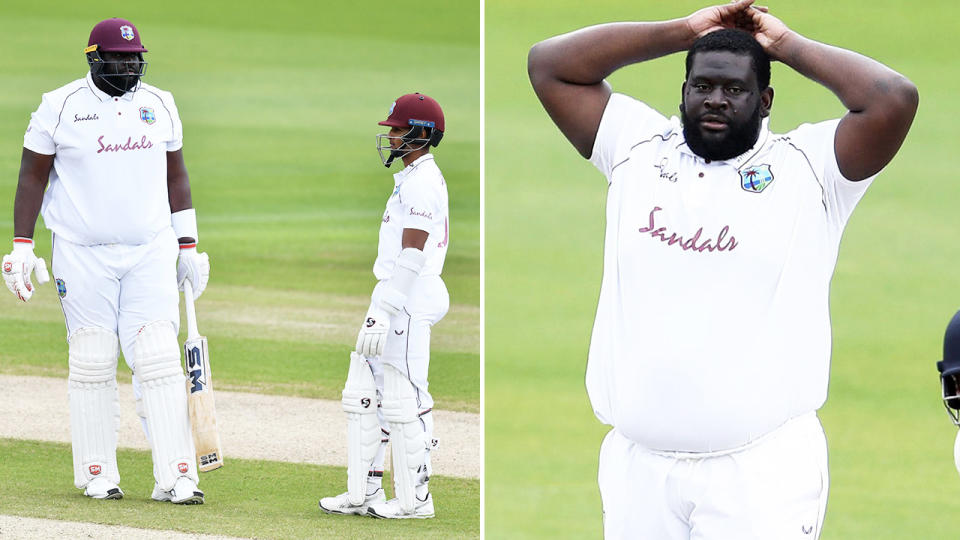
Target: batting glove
pixel 193 266
pixel 19 264
pixel 373 332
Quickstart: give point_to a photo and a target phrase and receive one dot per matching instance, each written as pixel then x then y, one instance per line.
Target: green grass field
pixel 263 498
pixel 280 104
pixel 894 290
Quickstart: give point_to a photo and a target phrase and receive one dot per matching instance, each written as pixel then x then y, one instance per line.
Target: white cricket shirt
pixel 713 324
pixel 109 178
pixel 418 201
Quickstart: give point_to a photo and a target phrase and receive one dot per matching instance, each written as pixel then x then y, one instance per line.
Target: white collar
pixel 398 177
pixel 103 96
pixel 744 158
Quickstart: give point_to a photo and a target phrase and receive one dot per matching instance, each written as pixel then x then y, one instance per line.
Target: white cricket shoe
pixel 185 491
pixel 101 488
pixel 341 503
pixel 422 509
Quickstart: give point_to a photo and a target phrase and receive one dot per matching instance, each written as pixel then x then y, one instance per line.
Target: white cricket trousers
pixel 774 488
pixel 118 287
pixel 408 343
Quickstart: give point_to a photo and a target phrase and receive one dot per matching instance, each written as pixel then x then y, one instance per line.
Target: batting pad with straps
pixel 399 408
pixel 94 408
pixel 157 364
pixel 363 429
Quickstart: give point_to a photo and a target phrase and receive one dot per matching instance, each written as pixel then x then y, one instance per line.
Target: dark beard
pixel 115 84
pixel 739 138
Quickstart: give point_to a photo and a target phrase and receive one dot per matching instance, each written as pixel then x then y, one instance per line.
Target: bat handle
pixel 192 331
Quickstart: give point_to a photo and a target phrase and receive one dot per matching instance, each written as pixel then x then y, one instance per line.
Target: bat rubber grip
pixel 192 331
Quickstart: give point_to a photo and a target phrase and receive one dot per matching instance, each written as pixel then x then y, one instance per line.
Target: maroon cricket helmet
pixel 415 110
pixel 116 35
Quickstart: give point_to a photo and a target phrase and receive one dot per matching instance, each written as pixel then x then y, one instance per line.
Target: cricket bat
pixel 203 415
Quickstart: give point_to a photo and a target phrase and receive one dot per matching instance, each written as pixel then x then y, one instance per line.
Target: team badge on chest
pixel 147 116
pixel 61 288
pixel 756 178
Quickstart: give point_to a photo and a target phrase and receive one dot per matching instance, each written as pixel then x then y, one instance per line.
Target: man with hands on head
pixel 103 161
pixel 711 345
pixel 392 355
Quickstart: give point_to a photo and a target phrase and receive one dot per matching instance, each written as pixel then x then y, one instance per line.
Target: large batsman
pixel 203 414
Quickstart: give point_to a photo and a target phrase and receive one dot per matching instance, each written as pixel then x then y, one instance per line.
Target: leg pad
pixel 363 428
pixel 94 408
pixel 164 394
pixel 406 434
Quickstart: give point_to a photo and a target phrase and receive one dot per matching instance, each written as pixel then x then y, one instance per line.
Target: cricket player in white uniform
pixel 389 366
pixel 102 161
pixel 711 346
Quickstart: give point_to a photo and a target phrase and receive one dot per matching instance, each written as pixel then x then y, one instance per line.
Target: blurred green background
pixel 895 288
pixel 280 103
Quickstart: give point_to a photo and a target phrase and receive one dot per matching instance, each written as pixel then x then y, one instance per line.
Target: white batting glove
pixel 193 266
pixel 373 332
pixel 19 264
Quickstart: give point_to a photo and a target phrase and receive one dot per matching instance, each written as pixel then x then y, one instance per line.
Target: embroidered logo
pixel 142 144
pixel 78 118
pixel 693 243
pixel 61 287
pixel 146 114
pixel 126 33
pixel 182 467
pixel 664 173
pixel 94 470
pixel 756 178
pixel 421 213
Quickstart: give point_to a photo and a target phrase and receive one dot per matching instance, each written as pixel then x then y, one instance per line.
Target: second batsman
pixel 385 396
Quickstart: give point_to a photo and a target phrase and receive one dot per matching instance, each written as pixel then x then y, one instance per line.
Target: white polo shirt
pixel 109 178
pixel 418 201
pixel 713 324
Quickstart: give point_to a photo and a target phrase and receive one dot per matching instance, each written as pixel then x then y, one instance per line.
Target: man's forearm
pixel 589 55
pixel 178 192
pixel 858 81
pixel 26 206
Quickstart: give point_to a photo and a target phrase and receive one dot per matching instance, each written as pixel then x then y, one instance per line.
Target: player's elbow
pixel 534 61
pixel 903 97
pixel 540 63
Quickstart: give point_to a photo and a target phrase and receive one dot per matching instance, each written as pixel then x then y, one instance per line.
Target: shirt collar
pixel 103 96
pixel 742 159
pixel 398 177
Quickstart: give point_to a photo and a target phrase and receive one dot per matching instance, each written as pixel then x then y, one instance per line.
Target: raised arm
pixel 880 101
pixel 568 71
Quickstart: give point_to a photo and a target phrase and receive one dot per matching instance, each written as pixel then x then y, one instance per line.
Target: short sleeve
pixel 816 142
pixel 176 137
pixel 421 203
pixel 39 135
pixel 625 119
